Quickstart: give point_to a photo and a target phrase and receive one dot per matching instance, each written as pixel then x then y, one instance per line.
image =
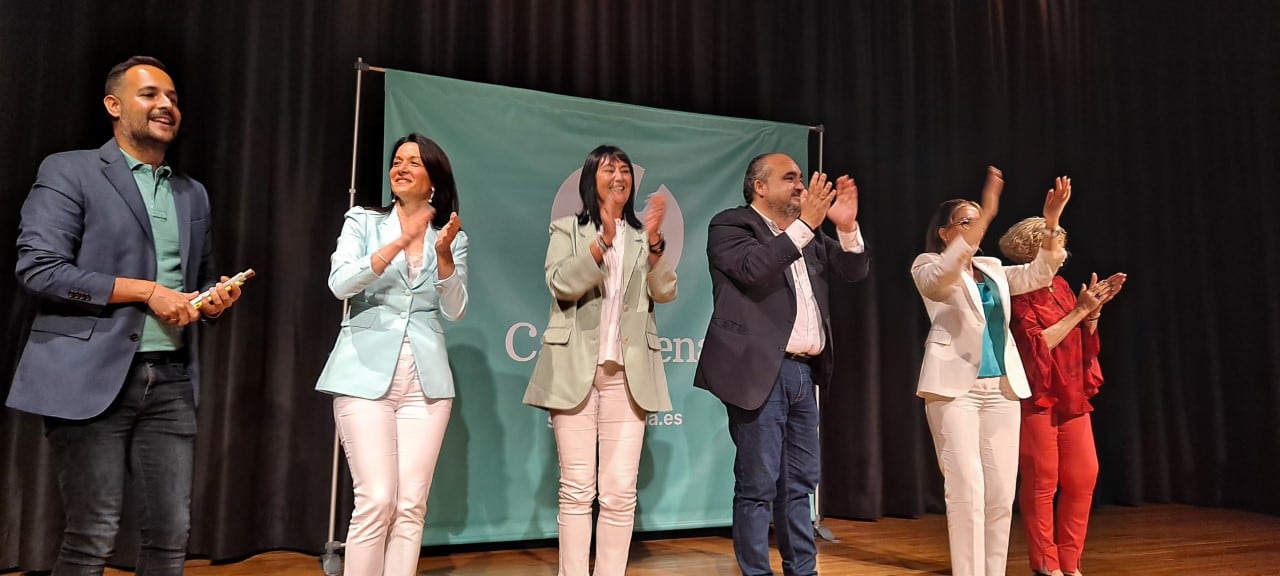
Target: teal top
pixel 157 194
pixel 993 336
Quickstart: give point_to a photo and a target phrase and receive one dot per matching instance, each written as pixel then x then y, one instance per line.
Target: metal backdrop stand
pixel 818 529
pixel 330 561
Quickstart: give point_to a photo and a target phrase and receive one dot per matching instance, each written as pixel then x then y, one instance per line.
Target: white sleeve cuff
pixel 852 241
pixel 800 233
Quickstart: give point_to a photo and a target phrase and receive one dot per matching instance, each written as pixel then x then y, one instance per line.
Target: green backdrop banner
pixel 517 155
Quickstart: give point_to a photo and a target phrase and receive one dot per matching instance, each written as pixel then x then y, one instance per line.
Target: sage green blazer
pixel 571 341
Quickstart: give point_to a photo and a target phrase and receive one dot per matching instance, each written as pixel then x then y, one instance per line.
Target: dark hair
pixel 941 218
pixel 757 169
pixel 445 197
pixel 117 71
pixel 587 186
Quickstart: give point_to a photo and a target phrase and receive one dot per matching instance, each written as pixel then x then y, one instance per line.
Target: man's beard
pixel 786 208
pixel 143 136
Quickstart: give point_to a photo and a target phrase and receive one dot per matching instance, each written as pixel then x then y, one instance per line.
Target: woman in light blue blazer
pixel 402 268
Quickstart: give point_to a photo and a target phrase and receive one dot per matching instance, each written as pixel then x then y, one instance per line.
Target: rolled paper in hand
pixel 238 280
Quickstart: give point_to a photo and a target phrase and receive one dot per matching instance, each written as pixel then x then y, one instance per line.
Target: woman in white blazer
pixel 403 269
pixel 972 378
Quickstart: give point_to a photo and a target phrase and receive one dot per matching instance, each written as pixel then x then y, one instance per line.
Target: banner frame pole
pixel 330 562
pixel 818 529
pixel 821 131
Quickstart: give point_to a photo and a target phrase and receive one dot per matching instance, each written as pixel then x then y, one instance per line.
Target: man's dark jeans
pixel 775 471
pixel 147 434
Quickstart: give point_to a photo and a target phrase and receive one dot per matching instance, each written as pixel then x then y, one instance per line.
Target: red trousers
pixel 1056 453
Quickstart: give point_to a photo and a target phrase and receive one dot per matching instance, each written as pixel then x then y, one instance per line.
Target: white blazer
pixel 953 349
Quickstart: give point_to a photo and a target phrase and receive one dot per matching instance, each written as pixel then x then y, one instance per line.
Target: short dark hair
pixel 587 186
pixel 757 169
pixel 117 71
pixel 445 197
pixel 941 218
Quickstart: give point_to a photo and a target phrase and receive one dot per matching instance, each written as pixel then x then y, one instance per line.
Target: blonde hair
pixel 1022 241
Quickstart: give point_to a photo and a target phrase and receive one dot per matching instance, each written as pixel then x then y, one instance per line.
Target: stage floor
pixel 1152 539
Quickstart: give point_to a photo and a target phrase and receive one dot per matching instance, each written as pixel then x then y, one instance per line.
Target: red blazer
pixel 1065 378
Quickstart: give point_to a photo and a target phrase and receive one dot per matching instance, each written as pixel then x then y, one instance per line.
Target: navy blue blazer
pixel 755 303
pixel 83 225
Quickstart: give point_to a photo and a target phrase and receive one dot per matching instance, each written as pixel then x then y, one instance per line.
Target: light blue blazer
pixel 385 308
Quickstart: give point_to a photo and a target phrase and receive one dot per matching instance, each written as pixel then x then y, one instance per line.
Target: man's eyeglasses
pixel 965 223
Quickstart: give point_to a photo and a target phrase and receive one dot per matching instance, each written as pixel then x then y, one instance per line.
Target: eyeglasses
pixel 965 223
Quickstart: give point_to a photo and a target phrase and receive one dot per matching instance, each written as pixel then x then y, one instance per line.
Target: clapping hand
pixel 1113 283
pixel 1056 200
pixel 1097 293
pixel 844 213
pixel 444 240
pixel 608 225
pixel 654 212
pixel 815 200
pixel 414 226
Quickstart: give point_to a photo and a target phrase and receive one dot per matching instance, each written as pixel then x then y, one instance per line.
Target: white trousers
pixel 610 422
pixel 976 440
pixel 392 445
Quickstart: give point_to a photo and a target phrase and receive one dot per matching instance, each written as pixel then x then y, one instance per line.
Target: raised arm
pixel 1087 301
pixel 1039 273
pixel 847 255
pixel 991 191
pixel 350 267
pixel 734 250
pixel 452 245
pixel 936 274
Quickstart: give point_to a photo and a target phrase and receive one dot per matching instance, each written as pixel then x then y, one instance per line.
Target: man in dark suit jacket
pixel 116 246
pixel 769 344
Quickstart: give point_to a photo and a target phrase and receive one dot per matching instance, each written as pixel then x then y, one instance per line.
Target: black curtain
pixel 1164 113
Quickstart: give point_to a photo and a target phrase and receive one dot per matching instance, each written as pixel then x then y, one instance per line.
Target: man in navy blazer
pixel 115 245
pixel 769 344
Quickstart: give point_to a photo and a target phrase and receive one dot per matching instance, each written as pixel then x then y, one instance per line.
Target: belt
pixel 161 357
pixel 805 358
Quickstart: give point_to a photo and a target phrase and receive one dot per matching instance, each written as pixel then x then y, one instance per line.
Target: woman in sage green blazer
pixel 600 369
pixel 403 269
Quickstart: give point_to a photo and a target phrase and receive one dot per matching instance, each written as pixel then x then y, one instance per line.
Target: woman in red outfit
pixel 1057 336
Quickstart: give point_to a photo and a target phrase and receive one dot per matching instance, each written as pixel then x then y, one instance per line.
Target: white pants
pixel 976 440
pixel 609 418
pixel 392 445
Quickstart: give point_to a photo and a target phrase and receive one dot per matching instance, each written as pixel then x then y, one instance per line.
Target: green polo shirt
pixel 157 194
